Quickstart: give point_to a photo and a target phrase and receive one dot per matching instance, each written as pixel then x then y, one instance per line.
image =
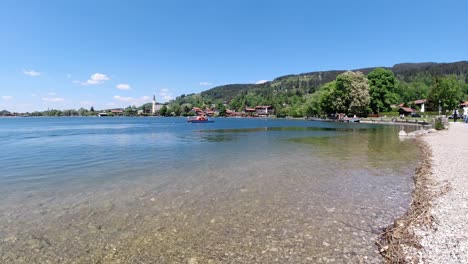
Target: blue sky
pixel 71 54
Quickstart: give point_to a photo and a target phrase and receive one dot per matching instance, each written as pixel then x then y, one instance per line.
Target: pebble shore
pixel 448 241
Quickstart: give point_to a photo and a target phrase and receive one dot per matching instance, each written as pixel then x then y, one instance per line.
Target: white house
pixel 421 103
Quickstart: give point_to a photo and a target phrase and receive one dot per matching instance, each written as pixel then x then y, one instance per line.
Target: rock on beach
pixel 448 242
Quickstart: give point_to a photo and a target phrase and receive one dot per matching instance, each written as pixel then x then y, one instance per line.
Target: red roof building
pixel 421 103
pixel 406 110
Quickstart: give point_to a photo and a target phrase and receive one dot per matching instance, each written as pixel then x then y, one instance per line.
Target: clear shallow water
pixel 162 190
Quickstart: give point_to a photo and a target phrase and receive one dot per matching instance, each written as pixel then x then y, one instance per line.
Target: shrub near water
pixel 438 124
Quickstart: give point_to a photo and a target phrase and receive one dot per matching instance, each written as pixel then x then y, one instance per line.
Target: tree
pixel 382 90
pixel 351 94
pixel 163 110
pixel 82 112
pixel 446 92
pixel 91 109
pixel 326 100
pixel 221 110
pixel 129 111
pixel 186 108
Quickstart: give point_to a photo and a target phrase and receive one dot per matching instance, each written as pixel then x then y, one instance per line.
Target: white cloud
pixel 133 100
pixel 31 73
pixel 165 94
pixel 52 99
pixel 111 104
pixel 205 83
pixel 123 86
pixel 7 97
pixel 261 81
pixel 52 94
pixel 96 78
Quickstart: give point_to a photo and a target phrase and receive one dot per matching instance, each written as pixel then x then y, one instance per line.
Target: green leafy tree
pixel 91 109
pixel 175 110
pixel 382 90
pixel 163 110
pixel 186 108
pixel 351 94
pixel 83 112
pixel 221 110
pixel 326 97
pixel 129 111
pixel 446 92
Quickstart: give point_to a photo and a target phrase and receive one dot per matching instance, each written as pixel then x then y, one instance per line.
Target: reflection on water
pixel 156 190
pixel 288 128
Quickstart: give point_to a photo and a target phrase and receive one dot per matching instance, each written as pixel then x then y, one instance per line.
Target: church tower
pixel 154 105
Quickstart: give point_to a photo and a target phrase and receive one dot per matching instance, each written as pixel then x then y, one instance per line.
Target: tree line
pixel 361 92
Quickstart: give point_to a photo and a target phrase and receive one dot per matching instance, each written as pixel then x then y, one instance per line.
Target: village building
pixel 153 109
pixel 264 110
pixel 198 111
pixel 209 112
pixel 117 112
pixel 405 111
pixel 421 104
pixel 465 108
pixel 250 111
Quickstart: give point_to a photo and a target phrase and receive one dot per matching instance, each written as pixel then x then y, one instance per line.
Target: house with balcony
pixel 264 110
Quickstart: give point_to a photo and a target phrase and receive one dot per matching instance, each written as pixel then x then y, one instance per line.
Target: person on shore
pixel 455 115
pixel 465 114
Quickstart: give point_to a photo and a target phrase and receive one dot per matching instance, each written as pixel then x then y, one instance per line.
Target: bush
pixel 438 124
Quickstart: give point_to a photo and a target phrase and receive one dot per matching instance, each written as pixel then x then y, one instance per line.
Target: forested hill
pixel 312 80
pixel 414 81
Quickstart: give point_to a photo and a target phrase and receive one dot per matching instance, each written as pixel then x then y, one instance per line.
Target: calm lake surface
pixel 161 190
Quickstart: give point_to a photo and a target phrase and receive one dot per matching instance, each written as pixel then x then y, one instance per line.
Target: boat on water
pixel 344 120
pixel 315 119
pixel 200 119
pixel 354 120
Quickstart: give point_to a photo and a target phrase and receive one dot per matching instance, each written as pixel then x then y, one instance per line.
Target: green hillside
pixel 291 94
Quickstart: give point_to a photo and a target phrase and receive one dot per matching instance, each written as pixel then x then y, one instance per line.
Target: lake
pixel 161 190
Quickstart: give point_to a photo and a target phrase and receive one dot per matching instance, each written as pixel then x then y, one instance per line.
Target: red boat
pixel 200 119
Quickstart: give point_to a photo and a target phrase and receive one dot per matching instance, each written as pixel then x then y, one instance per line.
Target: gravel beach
pixel 448 242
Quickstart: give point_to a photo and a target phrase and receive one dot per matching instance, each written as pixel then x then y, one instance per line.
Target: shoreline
pixel 433 230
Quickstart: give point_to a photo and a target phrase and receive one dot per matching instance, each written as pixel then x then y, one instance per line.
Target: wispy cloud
pixel 7 97
pixel 123 86
pixel 31 73
pixel 165 94
pixel 132 100
pixel 52 99
pixel 261 81
pixel 69 75
pixel 51 94
pixel 96 78
pixel 205 83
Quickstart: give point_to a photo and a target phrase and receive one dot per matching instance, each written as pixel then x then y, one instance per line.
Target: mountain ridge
pixel 403 71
